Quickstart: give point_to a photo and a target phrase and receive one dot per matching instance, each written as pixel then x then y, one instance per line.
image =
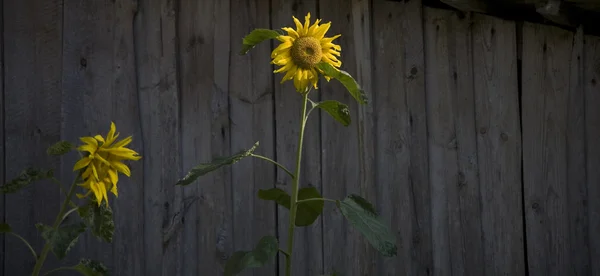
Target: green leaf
pixel 99 219
pixel 307 212
pixel 337 110
pixel 265 250
pixel 62 239
pixel 346 79
pixel 257 36
pixel 91 268
pixel 275 194
pixel 60 148
pixel 26 177
pixel 5 228
pixel 363 217
pixel 205 168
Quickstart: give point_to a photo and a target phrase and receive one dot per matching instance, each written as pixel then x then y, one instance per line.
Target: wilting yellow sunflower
pixel 103 162
pixel 302 49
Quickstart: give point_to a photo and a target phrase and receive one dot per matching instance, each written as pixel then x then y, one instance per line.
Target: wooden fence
pixel 479 145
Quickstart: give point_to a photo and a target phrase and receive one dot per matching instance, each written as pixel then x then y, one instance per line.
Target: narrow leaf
pixel 275 194
pixel 346 79
pixel 363 217
pixel 308 211
pixel 60 148
pixel 264 251
pixel 26 177
pixel 5 228
pixel 205 168
pixel 99 219
pixel 257 36
pixel 62 239
pixel 91 268
pixel 337 110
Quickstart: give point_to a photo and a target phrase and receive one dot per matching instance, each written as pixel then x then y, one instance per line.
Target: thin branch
pixel 26 243
pixel 274 162
pixel 314 199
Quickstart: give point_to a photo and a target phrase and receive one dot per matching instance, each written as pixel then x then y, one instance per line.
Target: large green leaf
pixel 337 110
pixel 60 148
pixel 62 239
pixel 99 219
pixel 363 217
pixel 5 228
pixel 26 177
pixel 307 212
pixel 346 79
pixel 91 268
pixel 257 36
pixel 265 250
pixel 205 168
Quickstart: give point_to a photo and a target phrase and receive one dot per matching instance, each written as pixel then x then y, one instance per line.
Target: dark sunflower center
pixel 306 52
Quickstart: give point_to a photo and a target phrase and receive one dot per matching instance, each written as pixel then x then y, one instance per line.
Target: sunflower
pixel 302 49
pixel 103 162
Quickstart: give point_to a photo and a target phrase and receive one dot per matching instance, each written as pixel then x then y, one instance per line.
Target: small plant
pixel 97 172
pixel 304 54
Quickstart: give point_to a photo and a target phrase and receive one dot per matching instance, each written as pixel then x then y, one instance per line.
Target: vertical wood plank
pixel 498 144
pixel 308 251
pixel 33 42
pixel 592 130
pixel 251 115
pixel 204 77
pixel 401 127
pixel 545 99
pixel 3 166
pixel 456 212
pixel 156 53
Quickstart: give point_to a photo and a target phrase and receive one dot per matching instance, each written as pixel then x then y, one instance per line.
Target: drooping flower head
pixel 302 49
pixel 102 162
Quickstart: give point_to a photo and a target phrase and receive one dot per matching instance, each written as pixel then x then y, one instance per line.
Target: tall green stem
pixel 40 261
pixel 295 184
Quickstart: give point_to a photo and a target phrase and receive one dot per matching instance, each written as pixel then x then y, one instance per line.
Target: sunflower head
pixel 302 49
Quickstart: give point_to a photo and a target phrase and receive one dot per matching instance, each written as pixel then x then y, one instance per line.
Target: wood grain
pixel 453 170
pixel 251 115
pixel 32 116
pixel 498 144
pixel 203 33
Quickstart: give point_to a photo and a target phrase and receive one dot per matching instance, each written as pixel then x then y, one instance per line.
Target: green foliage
pixel 265 250
pixel 91 268
pixel 60 148
pixel 5 228
pixel 257 36
pixel 307 212
pixel 345 79
pixel 62 239
pixel 363 217
pixel 26 177
pixel 205 168
pixel 99 219
pixel 337 110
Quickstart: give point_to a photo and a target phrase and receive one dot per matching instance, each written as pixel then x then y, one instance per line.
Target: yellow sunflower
pixel 302 49
pixel 103 162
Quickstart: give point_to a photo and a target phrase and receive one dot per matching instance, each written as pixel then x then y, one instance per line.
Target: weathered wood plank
pixel 204 77
pixel 498 144
pixel 453 171
pixel 592 129
pixel 308 251
pixel 545 101
pixel 3 250
pixel 32 70
pixel 251 115
pixel 401 127
pixel 156 53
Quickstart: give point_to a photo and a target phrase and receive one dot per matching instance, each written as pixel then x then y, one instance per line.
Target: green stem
pixel 40 262
pixel 274 162
pixel 294 197
pixel 314 199
pixel 59 269
pixel 26 243
pixel 63 190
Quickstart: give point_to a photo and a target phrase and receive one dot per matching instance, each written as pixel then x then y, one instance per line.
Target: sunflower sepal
pixel 346 80
pixel 256 37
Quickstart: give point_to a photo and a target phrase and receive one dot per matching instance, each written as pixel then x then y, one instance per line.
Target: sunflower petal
pixel 82 163
pixel 126 141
